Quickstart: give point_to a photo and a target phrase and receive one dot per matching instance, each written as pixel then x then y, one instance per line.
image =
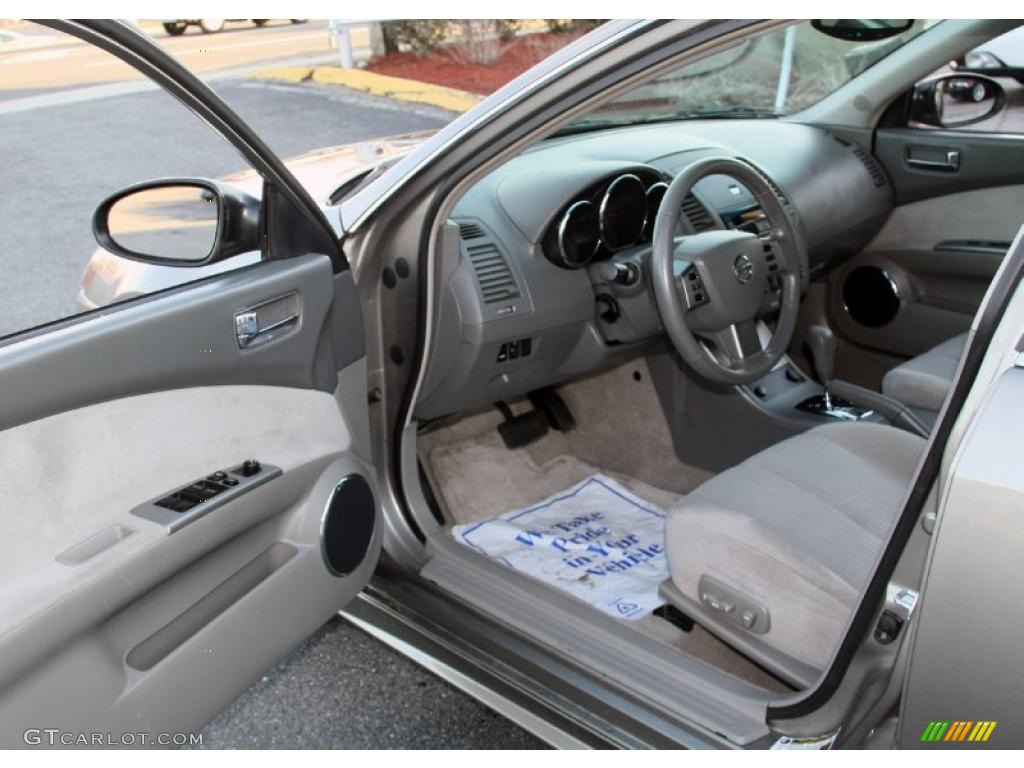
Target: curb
pixel 398 88
pixel 291 74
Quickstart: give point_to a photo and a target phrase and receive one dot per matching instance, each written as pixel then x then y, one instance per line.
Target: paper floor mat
pixel 596 541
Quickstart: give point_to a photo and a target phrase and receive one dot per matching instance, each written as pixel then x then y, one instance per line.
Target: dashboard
pixel 544 262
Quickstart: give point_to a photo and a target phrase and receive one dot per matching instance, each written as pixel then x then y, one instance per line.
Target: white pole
pixel 345 46
pixel 786 70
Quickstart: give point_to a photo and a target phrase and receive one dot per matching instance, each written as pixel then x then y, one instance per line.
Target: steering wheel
pixel 711 287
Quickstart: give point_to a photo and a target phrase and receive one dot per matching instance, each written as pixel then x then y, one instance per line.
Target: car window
pixel 777 73
pixel 78 125
pixel 975 104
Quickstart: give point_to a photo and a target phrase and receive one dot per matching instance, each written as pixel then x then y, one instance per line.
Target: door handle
pixel 267 321
pixel 933 159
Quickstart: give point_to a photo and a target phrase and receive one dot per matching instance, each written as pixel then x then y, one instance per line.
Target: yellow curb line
pixel 399 88
pixel 291 74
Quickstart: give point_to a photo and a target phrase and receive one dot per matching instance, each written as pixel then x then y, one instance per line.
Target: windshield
pixel 778 73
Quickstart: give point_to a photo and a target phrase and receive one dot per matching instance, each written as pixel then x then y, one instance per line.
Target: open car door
pixel 187 486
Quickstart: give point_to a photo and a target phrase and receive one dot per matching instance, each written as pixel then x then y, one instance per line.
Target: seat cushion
pixel 924 381
pixel 796 529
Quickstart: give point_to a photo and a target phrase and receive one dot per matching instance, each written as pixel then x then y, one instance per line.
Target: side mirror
pixel 955 100
pixel 178 222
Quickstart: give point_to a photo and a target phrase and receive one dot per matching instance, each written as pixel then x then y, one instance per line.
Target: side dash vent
pixel 470 231
pixel 698 216
pixel 867 160
pixel 877 174
pixel 492 273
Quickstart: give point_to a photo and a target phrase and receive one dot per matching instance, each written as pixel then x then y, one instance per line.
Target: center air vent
pixel 492 273
pixel 698 216
pixel 867 160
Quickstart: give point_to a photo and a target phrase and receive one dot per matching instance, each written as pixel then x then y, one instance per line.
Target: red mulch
pixel 442 67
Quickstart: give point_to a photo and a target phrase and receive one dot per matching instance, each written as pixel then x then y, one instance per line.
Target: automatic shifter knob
pixel 823 351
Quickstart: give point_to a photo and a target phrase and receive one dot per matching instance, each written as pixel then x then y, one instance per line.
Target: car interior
pixel 732 325
pixel 750 324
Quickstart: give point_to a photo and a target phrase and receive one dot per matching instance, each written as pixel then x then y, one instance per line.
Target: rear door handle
pixel 933 158
pixel 269 320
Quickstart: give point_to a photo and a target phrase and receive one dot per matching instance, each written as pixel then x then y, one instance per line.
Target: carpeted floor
pixel 622 433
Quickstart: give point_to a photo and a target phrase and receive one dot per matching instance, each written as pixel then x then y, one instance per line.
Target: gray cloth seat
pixel 772 554
pixel 924 381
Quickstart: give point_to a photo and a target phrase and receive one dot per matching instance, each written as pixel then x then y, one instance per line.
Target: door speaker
pixel 347 527
pixel 870 296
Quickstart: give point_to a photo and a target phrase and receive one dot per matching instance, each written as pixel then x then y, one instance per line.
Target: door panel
pixel 108 621
pixel 185 337
pixel 939 256
pixel 922 278
pixel 983 160
pixel 965 659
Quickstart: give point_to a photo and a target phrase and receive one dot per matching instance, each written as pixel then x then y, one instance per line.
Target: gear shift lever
pixel 823 351
pixel 852 402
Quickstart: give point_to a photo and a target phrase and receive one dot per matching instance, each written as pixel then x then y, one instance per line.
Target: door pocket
pixel 165 640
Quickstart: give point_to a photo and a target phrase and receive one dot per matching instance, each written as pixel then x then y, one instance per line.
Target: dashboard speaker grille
pixel 492 273
pixel 698 216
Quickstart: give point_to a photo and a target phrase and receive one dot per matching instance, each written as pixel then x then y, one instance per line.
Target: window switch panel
pixel 187 504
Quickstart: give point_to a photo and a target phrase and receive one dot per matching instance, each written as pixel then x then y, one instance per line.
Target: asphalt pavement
pixel 60 161
pixel 65 148
pixel 342 689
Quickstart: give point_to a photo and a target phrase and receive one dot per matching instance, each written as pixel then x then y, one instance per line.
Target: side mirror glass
pixel 862 30
pixel 177 222
pixel 956 100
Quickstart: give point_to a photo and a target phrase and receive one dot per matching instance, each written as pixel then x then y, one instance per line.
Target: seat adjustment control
pixel 732 606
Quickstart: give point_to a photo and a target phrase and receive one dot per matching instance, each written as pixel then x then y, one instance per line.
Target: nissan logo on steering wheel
pixel 743 268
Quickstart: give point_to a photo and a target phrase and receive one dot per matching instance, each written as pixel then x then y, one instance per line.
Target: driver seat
pixel 773 554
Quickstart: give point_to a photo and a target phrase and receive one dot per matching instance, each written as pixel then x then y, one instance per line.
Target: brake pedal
pixel 520 431
pixel 554 408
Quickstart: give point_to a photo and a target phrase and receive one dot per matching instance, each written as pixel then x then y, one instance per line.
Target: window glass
pixel 778 73
pixel 77 125
pixel 1002 59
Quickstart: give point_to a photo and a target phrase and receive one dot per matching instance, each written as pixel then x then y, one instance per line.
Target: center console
pixel 716 426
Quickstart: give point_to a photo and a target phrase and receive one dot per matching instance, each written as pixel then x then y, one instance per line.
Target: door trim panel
pixel 984 160
pixel 179 339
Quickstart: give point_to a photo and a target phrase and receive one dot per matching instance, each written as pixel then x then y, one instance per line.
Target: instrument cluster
pixel 615 214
